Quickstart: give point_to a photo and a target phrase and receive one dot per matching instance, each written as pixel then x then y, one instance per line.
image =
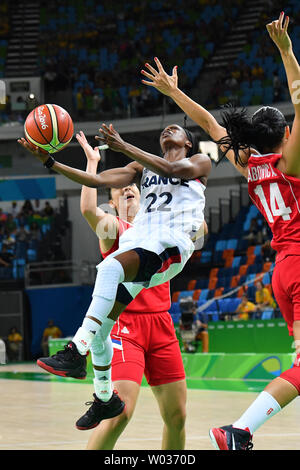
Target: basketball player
pixel 264 150
pixel 150 253
pixel 156 353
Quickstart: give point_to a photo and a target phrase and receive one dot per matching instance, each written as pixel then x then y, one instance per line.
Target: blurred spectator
pixel 14 345
pixel 22 234
pixel 201 330
pixel 10 224
pixel 27 208
pixel 34 232
pixel 244 308
pixel 3 215
pixel 192 328
pixel 254 232
pixel 48 210
pixel 51 331
pixel 263 298
pixel 14 209
pixel 267 252
pixel 6 257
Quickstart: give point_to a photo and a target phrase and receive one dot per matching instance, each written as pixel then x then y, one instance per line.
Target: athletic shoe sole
pixel 60 373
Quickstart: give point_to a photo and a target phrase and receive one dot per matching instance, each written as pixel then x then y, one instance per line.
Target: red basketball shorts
pixel 146 343
pixel 286 288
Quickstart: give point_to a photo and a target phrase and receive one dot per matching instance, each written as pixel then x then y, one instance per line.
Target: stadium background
pixel 86 56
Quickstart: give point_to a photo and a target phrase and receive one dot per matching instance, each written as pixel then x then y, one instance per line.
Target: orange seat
pixel 191 284
pixel 218 291
pixel 251 259
pixel 212 283
pixel 228 262
pixel 234 281
pixel 243 269
pixel 196 294
pixel 175 296
pixel 228 254
pixel 250 250
pixel 213 273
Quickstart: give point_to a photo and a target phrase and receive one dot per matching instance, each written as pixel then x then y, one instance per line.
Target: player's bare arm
pixel 168 85
pixel 113 178
pixel 278 31
pixel 93 214
pixel 187 168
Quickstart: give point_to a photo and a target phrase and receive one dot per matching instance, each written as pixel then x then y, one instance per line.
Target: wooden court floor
pixel 41 415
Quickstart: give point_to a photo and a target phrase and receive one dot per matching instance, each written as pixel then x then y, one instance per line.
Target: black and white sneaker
pixel 100 410
pixel 230 438
pixel 65 363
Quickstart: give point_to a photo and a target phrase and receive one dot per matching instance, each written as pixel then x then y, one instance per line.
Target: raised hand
pixel 160 79
pixel 278 33
pixel 111 137
pixel 91 153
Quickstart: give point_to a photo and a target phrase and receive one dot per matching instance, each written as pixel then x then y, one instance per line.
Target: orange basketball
pixel 49 127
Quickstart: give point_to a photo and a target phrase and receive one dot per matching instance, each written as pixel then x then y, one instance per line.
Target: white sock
pixel 83 340
pixel 263 408
pixel 102 354
pixel 103 385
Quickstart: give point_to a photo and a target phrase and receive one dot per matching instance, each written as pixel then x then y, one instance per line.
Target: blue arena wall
pixel 66 306
pixel 27 188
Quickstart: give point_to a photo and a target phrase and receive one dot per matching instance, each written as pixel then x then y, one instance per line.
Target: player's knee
pixel 175 419
pixel 121 421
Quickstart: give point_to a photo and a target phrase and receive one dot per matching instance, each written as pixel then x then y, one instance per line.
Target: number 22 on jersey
pixel 277 206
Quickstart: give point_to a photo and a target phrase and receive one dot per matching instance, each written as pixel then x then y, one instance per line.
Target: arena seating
pixel 257 76
pixel 29 236
pixel 233 260
pixel 102 48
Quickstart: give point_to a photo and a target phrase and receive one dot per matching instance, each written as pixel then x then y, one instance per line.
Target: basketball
pixel 49 127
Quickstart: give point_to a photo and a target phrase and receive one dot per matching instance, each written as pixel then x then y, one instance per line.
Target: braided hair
pixel 263 131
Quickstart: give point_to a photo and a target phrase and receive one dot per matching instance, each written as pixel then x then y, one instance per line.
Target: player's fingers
pixel 280 19
pixel 147 74
pixel 97 137
pixel 286 24
pixel 159 66
pixel 108 130
pixel 152 69
pixel 174 72
pixel 112 129
pixel 148 83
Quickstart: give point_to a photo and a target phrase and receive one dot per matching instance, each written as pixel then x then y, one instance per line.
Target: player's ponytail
pixel 263 131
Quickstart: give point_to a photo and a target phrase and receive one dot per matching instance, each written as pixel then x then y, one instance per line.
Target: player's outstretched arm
pixel 113 178
pixel 278 31
pixel 106 226
pixel 188 168
pixel 168 85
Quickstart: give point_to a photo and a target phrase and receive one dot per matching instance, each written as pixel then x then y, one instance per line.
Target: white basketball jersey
pixel 172 204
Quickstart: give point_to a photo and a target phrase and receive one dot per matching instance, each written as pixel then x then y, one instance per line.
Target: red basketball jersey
pixel 154 300
pixel 277 197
